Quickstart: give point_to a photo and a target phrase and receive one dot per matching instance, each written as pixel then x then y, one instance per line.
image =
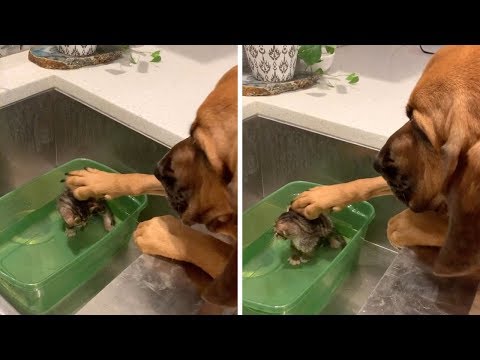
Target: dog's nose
pixel 377 165
pixel 162 164
pixel 383 160
pixel 156 172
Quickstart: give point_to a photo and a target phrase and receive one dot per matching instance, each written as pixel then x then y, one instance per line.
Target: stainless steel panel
pixel 80 131
pixel 252 172
pixel 354 292
pixel 27 143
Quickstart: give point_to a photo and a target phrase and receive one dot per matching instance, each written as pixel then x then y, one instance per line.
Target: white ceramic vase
pixel 272 63
pixel 77 50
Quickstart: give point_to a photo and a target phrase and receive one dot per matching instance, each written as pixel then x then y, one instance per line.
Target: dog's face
pixel 433 161
pixel 199 175
pixel 194 189
pixel 409 163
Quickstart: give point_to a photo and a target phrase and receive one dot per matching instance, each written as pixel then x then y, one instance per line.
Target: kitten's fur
pixel 76 213
pixel 306 235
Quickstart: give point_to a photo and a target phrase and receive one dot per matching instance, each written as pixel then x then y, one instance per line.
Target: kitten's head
pixel 292 225
pixel 71 217
pixel 75 213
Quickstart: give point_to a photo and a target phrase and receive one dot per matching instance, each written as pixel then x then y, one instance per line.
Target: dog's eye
pixel 420 133
pixel 226 175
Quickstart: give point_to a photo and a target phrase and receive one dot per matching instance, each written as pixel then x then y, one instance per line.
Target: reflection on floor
pixel 409 288
pixel 154 285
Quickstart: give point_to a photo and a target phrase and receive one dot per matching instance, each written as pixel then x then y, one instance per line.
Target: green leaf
pixel 330 49
pixel 319 71
pixel 310 54
pixel 156 53
pixel 156 59
pixel 132 60
pixel 351 76
pixel 354 80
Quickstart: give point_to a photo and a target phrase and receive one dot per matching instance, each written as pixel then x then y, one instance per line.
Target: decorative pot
pixel 77 50
pixel 272 63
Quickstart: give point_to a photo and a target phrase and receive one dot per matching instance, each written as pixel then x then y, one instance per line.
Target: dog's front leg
pixel 167 236
pixel 417 229
pixel 89 182
pixel 320 199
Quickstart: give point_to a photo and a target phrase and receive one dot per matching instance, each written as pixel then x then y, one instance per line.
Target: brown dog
pixel 199 177
pixel 432 164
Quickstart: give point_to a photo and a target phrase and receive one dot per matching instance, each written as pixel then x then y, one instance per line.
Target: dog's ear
pixel 217 144
pixel 461 253
pixel 215 128
pixel 223 290
pixel 453 146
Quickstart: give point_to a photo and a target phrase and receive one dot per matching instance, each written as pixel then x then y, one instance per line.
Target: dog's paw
pixel 321 199
pixel 416 229
pixel 160 236
pixel 399 233
pixel 94 183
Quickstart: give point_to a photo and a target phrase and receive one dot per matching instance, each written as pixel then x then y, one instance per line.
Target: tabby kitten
pixel 306 235
pixel 76 213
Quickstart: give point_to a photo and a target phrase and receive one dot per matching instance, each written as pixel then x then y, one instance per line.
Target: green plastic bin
pixel 39 265
pixel 270 284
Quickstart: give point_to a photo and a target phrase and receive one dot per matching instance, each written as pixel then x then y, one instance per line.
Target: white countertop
pixel 159 100
pixel 366 113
